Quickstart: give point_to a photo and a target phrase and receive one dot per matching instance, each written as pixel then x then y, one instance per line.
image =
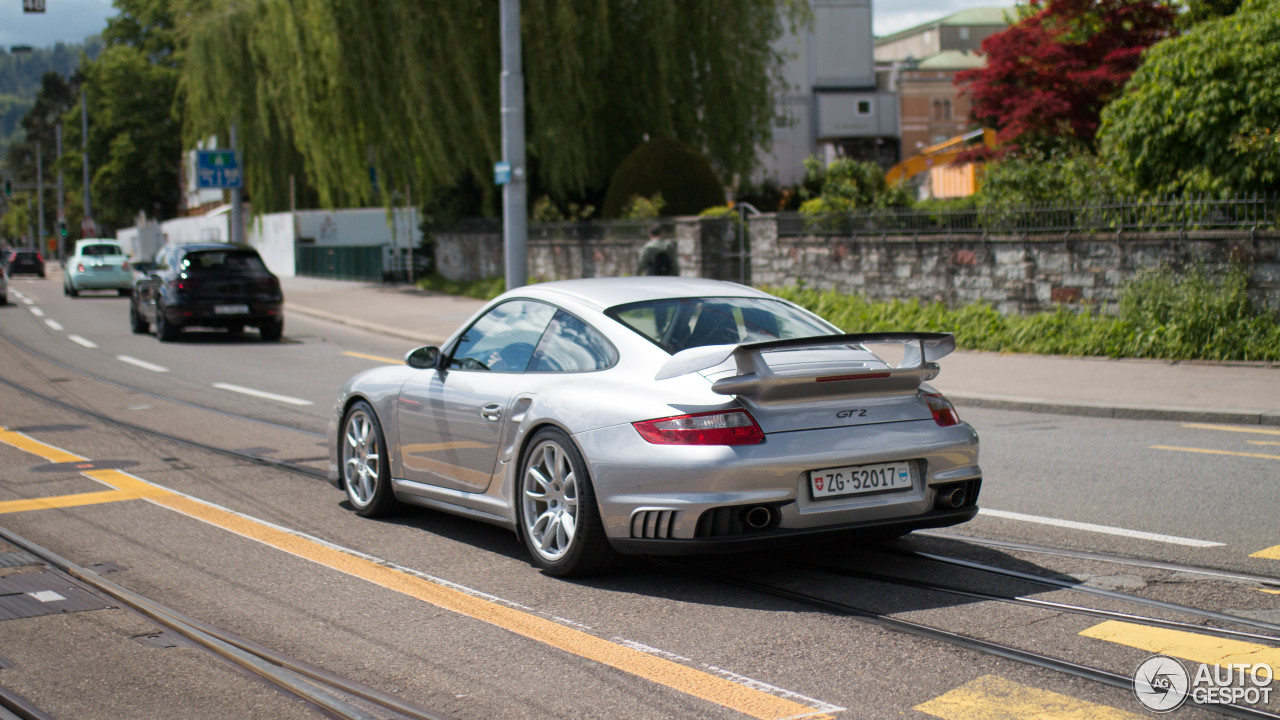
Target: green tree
pixel 135 135
pixel 408 91
pixel 1061 177
pixel 1191 114
pixel 39 126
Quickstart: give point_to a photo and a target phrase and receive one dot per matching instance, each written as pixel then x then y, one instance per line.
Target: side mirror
pixel 423 358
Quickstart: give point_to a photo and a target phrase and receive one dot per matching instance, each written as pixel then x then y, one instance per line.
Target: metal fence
pixel 1259 212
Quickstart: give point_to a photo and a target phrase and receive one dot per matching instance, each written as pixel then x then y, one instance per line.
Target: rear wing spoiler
pixel 921 351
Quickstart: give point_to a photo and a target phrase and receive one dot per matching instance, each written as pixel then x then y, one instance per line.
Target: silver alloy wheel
pixel 361 458
pixel 549 494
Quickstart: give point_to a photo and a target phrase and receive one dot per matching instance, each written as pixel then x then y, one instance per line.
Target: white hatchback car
pixel 97 265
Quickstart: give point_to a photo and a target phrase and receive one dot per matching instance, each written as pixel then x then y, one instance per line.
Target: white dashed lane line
pixel 262 394
pixel 53 323
pixel 1104 529
pixel 142 364
pixel 35 311
pixel 82 341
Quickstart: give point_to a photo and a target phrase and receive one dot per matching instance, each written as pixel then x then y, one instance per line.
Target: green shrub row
pixel 1198 316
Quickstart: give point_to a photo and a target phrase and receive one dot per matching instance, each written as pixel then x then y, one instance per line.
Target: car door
pixel 451 419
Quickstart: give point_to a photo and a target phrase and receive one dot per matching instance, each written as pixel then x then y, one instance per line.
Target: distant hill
pixel 20 75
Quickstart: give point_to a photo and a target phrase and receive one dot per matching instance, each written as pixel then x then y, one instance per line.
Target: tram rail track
pixel 950 637
pixel 331 694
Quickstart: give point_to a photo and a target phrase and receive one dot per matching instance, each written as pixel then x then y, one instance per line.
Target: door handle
pixel 491 412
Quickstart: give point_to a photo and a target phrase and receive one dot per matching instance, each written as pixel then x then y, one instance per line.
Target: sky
pixel 69 21
pixel 73 20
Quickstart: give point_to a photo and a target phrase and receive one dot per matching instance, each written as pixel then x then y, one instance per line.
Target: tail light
pixel 183 284
pixel 730 427
pixel 269 284
pixel 79 267
pixel 124 265
pixel 944 413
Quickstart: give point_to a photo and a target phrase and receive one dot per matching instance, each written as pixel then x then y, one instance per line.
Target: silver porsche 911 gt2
pixel 659 416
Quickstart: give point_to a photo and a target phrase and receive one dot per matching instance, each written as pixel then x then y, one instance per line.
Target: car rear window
pixel 676 324
pixel 223 261
pixel 101 249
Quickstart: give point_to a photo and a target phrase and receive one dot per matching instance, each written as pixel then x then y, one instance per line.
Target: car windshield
pixel 676 324
pixel 223 261
pixel 101 249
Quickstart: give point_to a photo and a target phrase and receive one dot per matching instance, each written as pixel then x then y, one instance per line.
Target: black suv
pixel 26 261
pixel 207 285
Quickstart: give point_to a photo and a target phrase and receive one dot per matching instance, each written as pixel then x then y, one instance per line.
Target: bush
pixel 483 289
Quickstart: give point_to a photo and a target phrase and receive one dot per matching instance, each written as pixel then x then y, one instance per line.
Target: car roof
pixel 96 241
pixel 202 246
pixel 607 292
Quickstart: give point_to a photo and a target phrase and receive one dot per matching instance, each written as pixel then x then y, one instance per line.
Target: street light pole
pixel 84 157
pixel 62 212
pixel 40 192
pixel 515 194
pixel 237 205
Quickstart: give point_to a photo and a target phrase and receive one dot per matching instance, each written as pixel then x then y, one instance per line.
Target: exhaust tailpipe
pixel 759 517
pixel 955 498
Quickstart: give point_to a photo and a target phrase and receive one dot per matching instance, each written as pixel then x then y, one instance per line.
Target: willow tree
pixel 408 90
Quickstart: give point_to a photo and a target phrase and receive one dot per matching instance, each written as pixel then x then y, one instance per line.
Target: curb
pixel 362 325
pixel 1058 407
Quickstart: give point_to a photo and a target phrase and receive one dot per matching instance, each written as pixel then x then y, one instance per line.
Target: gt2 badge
pixel 851 413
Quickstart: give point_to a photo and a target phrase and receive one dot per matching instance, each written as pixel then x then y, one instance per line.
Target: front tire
pixel 362 455
pixel 559 518
pixel 136 322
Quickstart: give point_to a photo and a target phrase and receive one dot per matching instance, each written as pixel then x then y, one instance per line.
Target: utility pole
pixel 86 225
pixel 237 204
pixel 515 194
pixel 62 207
pixel 40 192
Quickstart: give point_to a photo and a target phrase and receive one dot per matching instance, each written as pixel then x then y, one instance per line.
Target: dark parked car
pixel 213 285
pixel 25 261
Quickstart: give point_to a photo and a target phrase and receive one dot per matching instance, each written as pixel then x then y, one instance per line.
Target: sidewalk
pixel 1240 393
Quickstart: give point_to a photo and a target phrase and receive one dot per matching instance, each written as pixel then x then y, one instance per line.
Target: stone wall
pixel 1016 274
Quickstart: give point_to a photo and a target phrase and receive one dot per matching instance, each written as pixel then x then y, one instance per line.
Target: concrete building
pixel 832 105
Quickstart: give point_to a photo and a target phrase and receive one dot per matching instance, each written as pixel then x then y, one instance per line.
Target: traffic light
pixel 62 228
pixel 8 187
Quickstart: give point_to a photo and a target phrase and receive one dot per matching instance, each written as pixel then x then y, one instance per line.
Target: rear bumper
pixel 776 538
pixel 101 280
pixel 207 314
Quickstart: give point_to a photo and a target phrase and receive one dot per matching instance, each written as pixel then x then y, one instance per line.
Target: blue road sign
pixel 501 173
pixel 217 170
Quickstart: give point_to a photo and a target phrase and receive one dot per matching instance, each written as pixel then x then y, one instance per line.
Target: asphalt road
pixel 451 614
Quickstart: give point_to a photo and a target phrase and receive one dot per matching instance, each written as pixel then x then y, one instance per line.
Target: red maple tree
pixel 1049 75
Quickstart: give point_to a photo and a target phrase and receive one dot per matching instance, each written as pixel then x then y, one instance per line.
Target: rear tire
pixel 165 330
pixel 363 463
pixel 558 515
pixel 123 292
pixel 272 331
pixel 69 290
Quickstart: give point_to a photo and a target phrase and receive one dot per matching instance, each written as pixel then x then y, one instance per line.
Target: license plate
pixel 231 309
pixel 861 479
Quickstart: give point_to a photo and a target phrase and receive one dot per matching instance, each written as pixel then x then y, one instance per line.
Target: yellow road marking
pixel 1263 442
pixel 1205 451
pixel 991 697
pixel 691 681
pixel 378 358
pixel 64 501
pixel 1226 428
pixel 1186 645
pixel 1271 553
pixel 1269 592
pixel 37 448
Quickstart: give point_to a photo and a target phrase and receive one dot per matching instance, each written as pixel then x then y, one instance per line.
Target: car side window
pixel 503 339
pixel 571 345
